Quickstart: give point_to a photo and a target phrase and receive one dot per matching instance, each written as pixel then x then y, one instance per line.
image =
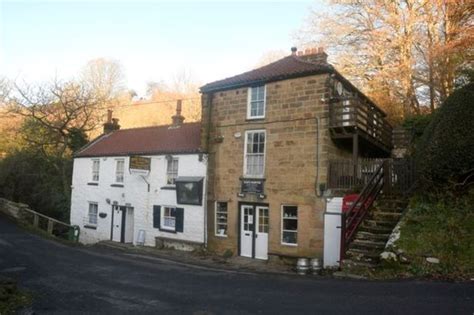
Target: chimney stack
pixel 178 119
pixel 315 55
pixel 111 124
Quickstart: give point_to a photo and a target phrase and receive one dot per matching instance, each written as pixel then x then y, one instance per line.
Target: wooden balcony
pixel 351 116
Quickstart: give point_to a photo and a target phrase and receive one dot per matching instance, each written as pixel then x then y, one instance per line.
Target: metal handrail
pixel 358 210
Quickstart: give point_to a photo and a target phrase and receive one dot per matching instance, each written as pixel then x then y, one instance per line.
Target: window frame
pixel 282 225
pixel 96 204
pixel 94 171
pixel 162 218
pixel 168 161
pixel 216 224
pixel 264 153
pixel 249 102
pixel 117 171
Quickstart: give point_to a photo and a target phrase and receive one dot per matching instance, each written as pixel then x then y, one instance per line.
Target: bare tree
pixel 54 116
pixel 403 53
pixel 105 77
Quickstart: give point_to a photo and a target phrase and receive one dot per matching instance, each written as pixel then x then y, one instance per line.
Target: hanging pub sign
pixel 251 185
pixel 140 163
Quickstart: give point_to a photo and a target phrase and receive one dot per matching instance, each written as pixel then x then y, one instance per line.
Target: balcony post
pixel 355 155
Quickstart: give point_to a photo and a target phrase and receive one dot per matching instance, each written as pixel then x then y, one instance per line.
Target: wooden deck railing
pixel 351 113
pixel 51 226
pixel 345 175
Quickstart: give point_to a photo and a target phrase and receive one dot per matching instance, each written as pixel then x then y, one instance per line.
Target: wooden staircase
pixel 374 231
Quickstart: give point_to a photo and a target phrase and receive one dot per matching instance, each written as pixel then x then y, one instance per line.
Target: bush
pixel 446 150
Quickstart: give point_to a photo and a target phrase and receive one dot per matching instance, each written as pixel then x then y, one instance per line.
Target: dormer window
pixel 256 102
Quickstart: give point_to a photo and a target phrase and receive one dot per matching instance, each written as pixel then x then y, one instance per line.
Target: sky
pixel 153 40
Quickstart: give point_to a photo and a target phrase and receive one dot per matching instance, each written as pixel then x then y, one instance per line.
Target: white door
pixel 117 224
pixel 261 236
pixel 246 230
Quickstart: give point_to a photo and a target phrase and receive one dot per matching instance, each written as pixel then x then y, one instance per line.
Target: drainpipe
pixel 318 143
pixel 207 151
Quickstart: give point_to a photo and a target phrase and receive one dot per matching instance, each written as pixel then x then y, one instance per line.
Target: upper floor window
pixel 95 170
pixel 119 170
pixel 254 158
pixel 256 102
pixel 171 171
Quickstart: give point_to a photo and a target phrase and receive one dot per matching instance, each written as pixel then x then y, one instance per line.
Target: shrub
pixel 446 149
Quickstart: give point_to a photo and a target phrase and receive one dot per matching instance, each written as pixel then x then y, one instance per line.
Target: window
pixel 256 102
pixel 221 218
pixel 254 159
pixel 119 171
pixel 171 171
pixel 92 214
pixel 168 221
pixel 189 190
pixel 289 231
pixel 95 170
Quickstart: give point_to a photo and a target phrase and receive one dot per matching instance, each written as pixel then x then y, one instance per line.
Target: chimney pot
pixel 109 115
pixel 300 53
pixel 111 124
pixel 293 50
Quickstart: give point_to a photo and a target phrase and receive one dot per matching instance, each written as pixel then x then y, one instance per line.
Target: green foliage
pixel 77 139
pixel 440 228
pixel 446 149
pixel 418 123
pixel 28 177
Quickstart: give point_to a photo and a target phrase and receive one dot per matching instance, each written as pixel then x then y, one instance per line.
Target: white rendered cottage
pixel 142 186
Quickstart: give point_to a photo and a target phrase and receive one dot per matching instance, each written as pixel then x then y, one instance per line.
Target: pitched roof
pixel 285 68
pixel 147 140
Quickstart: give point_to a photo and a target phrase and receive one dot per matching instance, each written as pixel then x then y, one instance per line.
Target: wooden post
pixel 50 226
pixel 355 155
pixel 35 220
pixel 387 178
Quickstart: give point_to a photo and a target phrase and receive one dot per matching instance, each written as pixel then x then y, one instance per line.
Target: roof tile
pixel 147 140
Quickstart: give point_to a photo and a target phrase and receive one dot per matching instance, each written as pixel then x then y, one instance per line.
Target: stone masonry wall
pixel 290 164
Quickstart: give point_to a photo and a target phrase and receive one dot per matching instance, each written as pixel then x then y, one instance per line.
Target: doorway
pixel 122 224
pixel 254 227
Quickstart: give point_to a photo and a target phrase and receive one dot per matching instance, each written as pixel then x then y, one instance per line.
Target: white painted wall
pixel 135 194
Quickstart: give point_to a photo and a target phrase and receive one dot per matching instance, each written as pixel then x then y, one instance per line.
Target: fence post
pixel 387 178
pixel 35 220
pixel 50 226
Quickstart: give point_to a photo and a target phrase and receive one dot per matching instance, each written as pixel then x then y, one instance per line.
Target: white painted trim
pixel 115 175
pixel 98 171
pixel 249 99
pixel 281 222
pixel 245 154
pixel 215 219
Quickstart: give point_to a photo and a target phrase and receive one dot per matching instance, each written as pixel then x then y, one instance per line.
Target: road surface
pixel 67 279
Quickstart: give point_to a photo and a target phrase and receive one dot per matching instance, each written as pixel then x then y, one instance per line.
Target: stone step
pixel 363 255
pixel 365 244
pixel 382 237
pixel 381 223
pixel 390 202
pixel 389 209
pixel 375 229
pixel 349 263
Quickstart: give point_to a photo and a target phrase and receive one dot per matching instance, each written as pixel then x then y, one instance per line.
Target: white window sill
pixel 289 244
pixel 220 235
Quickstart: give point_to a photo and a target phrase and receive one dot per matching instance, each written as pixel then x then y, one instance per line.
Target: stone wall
pixel 12 209
pixel 290 164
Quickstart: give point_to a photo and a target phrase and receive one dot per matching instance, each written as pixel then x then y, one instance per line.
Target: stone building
pixel 271 134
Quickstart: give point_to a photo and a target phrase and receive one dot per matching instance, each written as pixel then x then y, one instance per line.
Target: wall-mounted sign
pixel 252 186
pixel 140 163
